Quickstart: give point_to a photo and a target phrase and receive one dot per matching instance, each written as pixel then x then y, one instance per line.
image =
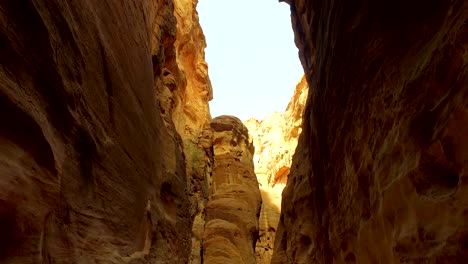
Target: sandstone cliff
pixel 191 112
pixel 379 175
pixel 185 91
pixel 91 94
pixel 275 140
pixel 231 228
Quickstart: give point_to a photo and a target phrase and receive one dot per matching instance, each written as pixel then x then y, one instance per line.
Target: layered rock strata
pixel 93 169
pixel 380 172
pixel 275 140
pixel 231 227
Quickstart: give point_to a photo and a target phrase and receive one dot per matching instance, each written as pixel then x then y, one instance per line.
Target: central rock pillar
pixel 231 223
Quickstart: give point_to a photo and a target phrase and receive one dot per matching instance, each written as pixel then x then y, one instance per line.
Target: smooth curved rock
pixel 380 172
pixel 90 174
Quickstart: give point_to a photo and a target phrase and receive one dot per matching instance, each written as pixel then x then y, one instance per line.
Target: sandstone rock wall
pixel 91 173
pixel 231 228
pixel 380 172
pixel 185 90
pixel 275 140
pixel 191 111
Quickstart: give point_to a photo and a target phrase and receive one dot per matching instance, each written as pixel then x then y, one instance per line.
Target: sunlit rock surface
pixel 275 140
pixel 231 228
pixel 194 90
pixel 185 90
pixel 380 172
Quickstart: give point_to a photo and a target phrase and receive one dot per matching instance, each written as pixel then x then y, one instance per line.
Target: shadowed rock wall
pixel 380 172
pixel 89 171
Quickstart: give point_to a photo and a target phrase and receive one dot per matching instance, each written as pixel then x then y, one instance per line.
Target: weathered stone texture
pixel 90 174
pixel 184 91
pixel 275 140
pixel 380 172
pixel 232 212
pixel 191 111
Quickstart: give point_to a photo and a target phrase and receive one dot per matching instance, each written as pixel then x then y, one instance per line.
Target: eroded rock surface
pixel 275 140
pixel 231 228
pixel 185 90
pixel 380 172
pixel 90 173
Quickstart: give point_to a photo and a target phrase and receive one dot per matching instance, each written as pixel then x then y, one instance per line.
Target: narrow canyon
pixel 109 153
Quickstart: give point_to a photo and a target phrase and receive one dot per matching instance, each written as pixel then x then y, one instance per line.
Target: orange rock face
pixel 90 172
pixel 231 227
pixel 380 172
pixel 184 92
pixel 191 111
pixel 275 140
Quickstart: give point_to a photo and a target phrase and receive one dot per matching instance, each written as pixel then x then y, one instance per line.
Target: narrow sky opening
pixel 252 59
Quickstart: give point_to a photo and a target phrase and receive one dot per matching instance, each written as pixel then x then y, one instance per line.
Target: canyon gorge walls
pixel 275 140
pixel 380 172
pixel 108 151
pixel 91 94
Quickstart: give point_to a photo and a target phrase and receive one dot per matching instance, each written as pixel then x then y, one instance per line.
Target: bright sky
pixel 252 59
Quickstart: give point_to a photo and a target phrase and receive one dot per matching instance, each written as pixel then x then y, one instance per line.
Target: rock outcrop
pixel 380 172
pixel 185 90
pixel 187 87
pixel 275 140
pixel 191 112
pixel 231 228
pixel 91 93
